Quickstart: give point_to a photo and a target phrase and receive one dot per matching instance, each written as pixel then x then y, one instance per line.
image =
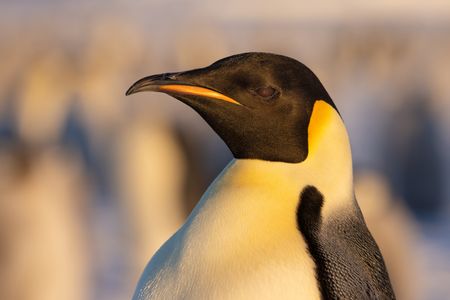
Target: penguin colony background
pixel 281 220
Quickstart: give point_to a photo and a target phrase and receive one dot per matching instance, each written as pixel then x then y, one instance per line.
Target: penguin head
pixel 260 104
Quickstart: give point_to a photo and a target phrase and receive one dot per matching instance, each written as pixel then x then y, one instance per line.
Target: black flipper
pixel 348 262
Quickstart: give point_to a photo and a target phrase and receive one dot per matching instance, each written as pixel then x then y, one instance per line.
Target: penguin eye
pixel 266 92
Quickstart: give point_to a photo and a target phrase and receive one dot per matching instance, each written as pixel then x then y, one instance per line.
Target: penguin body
pixel 281 220
pixel 248 248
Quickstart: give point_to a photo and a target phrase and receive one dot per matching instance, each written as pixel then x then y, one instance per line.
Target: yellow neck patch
pixel 321 117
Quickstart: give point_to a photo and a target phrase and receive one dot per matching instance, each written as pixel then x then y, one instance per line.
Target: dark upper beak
pixel 152 83
pixel 170 84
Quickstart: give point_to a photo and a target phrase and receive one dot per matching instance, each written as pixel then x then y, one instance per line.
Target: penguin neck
pixel 259 199
pixel 328 166
pixel 329 157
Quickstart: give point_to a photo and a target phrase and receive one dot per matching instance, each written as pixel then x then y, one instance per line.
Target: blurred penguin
pixel 43 97
pixel 150 176
pixel 43 247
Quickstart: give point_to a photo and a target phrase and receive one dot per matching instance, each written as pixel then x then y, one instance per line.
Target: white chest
pixel 241 242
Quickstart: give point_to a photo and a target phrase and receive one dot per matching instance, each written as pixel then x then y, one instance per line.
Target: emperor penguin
pixel 281 220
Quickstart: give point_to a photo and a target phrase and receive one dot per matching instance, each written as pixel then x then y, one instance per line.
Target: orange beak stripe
pixel 196 90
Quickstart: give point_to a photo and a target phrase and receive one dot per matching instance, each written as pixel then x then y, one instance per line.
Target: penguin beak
pixel 168 83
